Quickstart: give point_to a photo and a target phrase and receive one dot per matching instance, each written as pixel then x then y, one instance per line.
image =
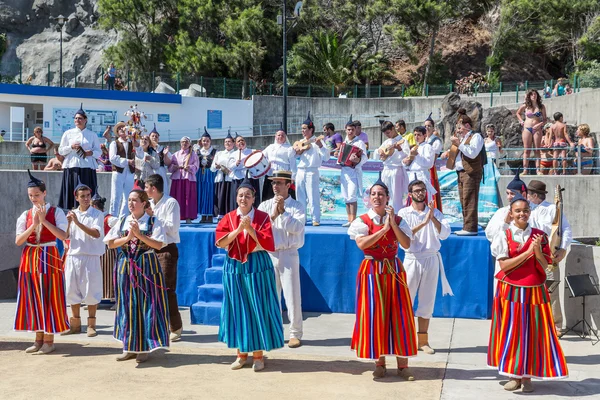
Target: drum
pixel 257 164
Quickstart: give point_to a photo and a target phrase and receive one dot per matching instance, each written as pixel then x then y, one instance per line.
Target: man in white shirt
pixel 542 217
pixel 422 261
pixel 223 179
pixel 287 220
pixel 501 219
pixel 394 175
pixel 307 177
pixel 166 210
pixel 236 165
pixel 419 162
pixel 351 175
pixel 122 153
pixel 469 167
pixel 83 274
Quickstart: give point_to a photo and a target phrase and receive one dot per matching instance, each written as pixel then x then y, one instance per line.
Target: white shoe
pixel 239 363
pixel 45 349
pixel 176 336
pixel 347 224
pixel 259 365
pixel 462 232
pixel 141 357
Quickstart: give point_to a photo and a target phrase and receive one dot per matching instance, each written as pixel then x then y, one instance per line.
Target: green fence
pixel 16 73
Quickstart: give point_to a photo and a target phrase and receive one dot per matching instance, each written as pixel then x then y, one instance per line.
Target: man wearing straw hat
pixel 288 217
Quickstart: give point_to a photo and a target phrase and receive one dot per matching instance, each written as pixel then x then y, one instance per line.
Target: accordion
pixel 346 150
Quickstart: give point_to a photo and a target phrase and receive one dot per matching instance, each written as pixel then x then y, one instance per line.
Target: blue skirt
pixel 250 315
pixel 142 317
pixel 206 192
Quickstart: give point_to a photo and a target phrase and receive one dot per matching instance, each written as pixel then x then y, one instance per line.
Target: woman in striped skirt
pixel 109 259
pixel 384 316
pixel 206 179
pixel 41 301
pixel 142 317
pixel 523 342
pixel 250 315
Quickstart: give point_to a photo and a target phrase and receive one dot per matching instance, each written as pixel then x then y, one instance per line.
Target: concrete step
pixel 218 260
pixel 210 293
pixel 213 276
pixel 205 313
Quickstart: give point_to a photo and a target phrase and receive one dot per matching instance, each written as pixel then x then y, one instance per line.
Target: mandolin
pixel 302 145
pixel 557 226
pixel 387 151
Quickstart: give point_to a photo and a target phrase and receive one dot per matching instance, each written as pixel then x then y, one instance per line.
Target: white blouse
pixel 358 228
pixel 88 141
pixel 500 243
pixel 158 230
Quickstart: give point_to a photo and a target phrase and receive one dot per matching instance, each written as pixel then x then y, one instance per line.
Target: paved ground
pixel 324 368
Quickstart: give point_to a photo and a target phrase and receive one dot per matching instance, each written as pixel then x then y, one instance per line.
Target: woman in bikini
pixel 535 118
pixel 38 146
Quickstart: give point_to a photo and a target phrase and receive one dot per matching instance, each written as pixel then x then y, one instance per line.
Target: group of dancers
pixel 262 239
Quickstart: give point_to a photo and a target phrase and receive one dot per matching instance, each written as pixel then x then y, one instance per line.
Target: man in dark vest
pixel 469 166
pixel 122 153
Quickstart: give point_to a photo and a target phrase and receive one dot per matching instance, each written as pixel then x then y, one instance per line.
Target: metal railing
pixel 17 73
pixel 555 161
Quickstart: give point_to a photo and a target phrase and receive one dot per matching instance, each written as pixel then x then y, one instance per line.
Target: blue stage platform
pixel 329 263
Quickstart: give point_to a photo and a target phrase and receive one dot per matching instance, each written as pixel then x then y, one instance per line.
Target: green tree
pixel 144 27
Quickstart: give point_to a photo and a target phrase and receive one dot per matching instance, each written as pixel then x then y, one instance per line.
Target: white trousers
pixel 121 184
pixel 422 276
pixel 350 182
pixel 83 278
pixel 397 182
pixel 307 188
pixel 286 264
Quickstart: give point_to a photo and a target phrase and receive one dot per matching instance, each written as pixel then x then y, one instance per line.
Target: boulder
pixel 72 24
pixel 450 105
pixel 506 123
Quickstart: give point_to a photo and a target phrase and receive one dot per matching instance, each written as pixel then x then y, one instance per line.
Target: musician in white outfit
pixel 287 220
pixel 236 165
pixel 282 157
pixel 222 178
pixel 393 175
pixel 542 217
pixel 420 161
pixel 351 176
pixel 307 176
pixel 122 153
pixel 164 156
pixel 422 261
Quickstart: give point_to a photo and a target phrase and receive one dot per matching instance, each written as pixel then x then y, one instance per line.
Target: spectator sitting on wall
pixel 55 163
pixel 2 133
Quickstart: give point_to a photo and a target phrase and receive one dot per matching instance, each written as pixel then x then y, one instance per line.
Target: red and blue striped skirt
pixel 142 316
pixel 385 323
pixel 41 301
pixel 523 341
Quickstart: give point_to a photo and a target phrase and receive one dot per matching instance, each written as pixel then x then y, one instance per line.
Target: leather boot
pixel 91 327
pixel 423 343
pixel 75 326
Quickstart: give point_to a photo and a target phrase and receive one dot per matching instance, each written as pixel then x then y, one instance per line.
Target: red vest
pixel 530 273
pixel 106 227
pixel 386 247
pixel 46 236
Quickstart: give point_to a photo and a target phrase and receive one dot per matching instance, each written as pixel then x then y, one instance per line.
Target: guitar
pixel 557 226
pixel 302 145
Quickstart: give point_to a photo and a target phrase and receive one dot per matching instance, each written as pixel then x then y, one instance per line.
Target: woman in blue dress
pixel 206 179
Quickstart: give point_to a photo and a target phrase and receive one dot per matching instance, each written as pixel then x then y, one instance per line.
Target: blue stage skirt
pixel 142 317
pixel 206 192
pixel 250 315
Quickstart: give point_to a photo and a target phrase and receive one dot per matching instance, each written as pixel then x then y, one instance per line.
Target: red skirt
pixel 523 341
pixel 186 194
pixel 385 323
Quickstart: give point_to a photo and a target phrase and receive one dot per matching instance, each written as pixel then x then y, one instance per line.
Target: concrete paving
pixel 324 367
